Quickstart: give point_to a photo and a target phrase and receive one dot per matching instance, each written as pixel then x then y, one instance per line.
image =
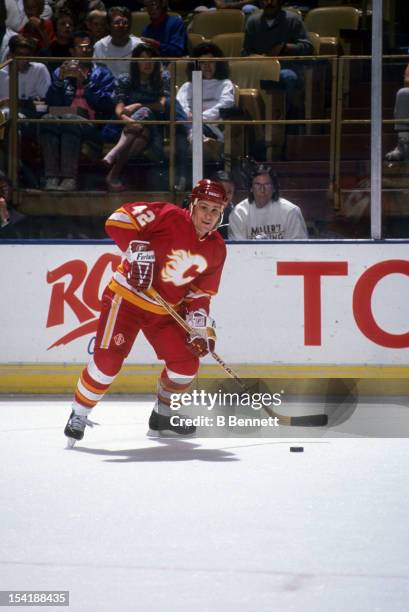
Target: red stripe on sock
pixel 92 384
pixel 169 385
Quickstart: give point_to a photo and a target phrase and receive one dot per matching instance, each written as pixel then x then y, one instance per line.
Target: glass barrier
pixel 306 118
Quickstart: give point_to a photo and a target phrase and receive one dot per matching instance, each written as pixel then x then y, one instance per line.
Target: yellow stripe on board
pixel 293 379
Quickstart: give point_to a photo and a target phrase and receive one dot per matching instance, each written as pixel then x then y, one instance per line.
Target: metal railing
pixel 334 123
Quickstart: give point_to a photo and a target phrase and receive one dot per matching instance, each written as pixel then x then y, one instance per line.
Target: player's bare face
pixel 205 216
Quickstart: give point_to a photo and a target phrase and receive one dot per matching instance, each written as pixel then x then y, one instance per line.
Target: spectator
pixel 12 18
pixel 6 32
pixel 401 111
pixel 119 43
pixel 62 45
pixel 166 32
pixel 5 35
pixel 36 28
pixel 218 90
pixel 264 215
pixel 276 32
pixel 79 9
pixel 139 96
pixel 33 77
pixel 16 17
pixel 84 88
pixel 227 181
pixel 97 25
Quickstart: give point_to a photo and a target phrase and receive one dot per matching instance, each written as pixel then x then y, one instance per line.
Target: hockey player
pixel 180 254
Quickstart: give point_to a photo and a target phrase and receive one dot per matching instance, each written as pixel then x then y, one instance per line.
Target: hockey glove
pixel 139 264
pixel 202 339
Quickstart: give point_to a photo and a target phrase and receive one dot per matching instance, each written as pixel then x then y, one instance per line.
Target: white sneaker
pixel 67 184
pixel 51 184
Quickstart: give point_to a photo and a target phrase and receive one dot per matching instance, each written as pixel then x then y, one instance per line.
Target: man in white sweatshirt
pixel 264 215
pixel 33 77
pixel 119 43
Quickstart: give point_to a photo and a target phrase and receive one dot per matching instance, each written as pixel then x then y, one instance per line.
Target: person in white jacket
pixel 218 90
pixel 264 215
pixel 33 77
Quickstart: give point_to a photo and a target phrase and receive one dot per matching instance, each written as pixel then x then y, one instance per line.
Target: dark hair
pixel 63 12
pixel 80 34
pixel 155 78
pixel 21 41
pixel 208 48
pixel 258 171
pixel 222 175
pixel 121 10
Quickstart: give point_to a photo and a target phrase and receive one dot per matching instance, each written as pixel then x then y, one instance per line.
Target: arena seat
pixel 222 21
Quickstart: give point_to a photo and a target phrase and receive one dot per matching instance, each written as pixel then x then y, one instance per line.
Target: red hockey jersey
pixel 187 268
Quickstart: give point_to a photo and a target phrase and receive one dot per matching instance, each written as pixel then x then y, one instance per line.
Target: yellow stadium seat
pixel 193 40
pixel 221 21
pixel 140 20
pixel 261 103
pixel 328 21
pixel 231 44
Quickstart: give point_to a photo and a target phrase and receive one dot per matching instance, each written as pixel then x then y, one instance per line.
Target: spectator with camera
pixel 86 90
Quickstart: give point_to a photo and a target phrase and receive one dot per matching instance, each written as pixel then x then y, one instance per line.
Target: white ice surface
pixel 128 523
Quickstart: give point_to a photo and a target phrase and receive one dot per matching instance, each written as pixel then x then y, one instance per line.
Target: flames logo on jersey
pixel 179 263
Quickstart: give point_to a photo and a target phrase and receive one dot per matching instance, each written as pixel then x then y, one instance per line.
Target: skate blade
pixel 166 433
pixel 71 442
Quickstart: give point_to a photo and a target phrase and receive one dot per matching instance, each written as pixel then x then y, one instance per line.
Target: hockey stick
pixel 311 420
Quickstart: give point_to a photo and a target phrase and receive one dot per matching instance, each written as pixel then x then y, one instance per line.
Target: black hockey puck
pixel 296 449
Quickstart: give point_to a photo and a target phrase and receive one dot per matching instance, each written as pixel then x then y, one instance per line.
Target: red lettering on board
pixel 312 271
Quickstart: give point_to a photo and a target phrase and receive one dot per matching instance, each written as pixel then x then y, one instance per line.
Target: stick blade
pixel 312 420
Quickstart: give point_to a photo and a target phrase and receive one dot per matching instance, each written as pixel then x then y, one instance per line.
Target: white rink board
pixel 259 310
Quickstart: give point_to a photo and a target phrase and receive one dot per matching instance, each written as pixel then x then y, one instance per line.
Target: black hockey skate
pixel 75 427
pixel 160 425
